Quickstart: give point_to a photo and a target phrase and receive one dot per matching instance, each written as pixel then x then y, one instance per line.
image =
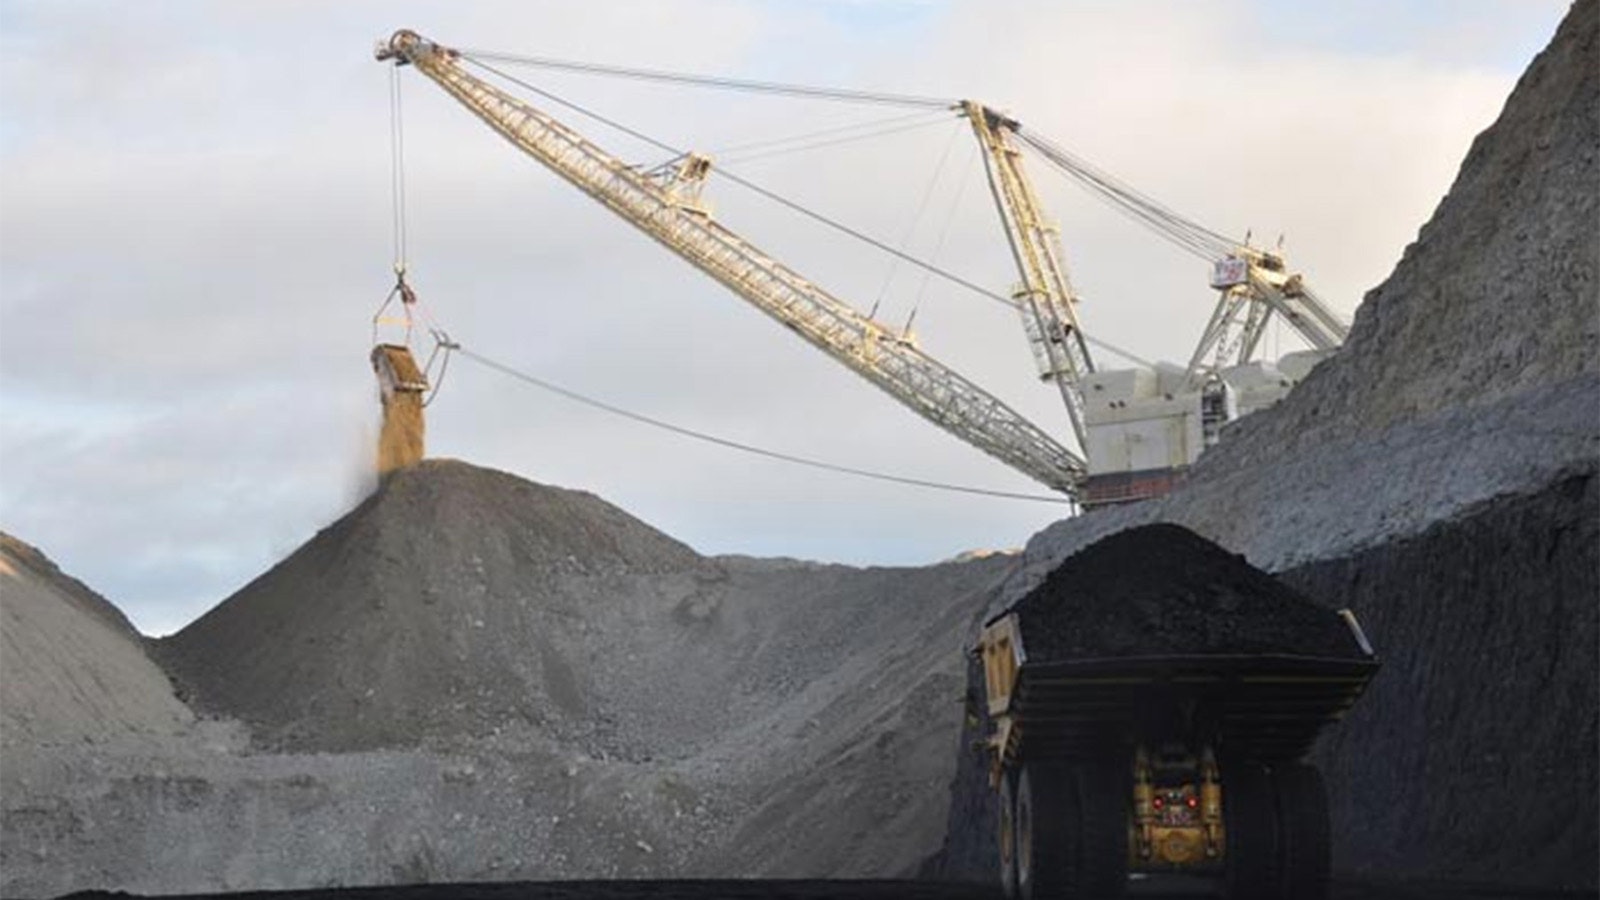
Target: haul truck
pixel 1171 764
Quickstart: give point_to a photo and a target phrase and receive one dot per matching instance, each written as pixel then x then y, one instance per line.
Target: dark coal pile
pixel 1160 590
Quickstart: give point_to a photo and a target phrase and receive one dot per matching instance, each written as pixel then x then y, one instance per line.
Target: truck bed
pixel 1256 708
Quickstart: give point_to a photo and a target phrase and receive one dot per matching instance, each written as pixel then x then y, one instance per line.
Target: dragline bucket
pixel 402 386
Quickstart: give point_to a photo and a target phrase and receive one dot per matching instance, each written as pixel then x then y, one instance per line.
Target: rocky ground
pixel 473 676
pixel 1156 889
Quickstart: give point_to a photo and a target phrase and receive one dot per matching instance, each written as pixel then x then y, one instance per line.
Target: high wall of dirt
pixel 1475 752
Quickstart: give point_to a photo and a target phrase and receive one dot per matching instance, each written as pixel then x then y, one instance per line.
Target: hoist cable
pixel 711 81
pixel 743 447
pixel 397 170
pixel 784 201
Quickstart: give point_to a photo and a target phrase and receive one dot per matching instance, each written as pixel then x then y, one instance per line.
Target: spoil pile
pixel 1162 590
pixel 73 671
pixel 448 603
pixel 474 677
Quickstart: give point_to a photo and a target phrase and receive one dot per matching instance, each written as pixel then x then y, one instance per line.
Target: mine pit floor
pixel 1146 889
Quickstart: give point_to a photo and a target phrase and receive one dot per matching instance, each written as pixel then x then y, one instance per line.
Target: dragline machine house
pixel 1115 417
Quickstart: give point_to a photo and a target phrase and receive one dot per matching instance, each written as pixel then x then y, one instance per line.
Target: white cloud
pixel 194 234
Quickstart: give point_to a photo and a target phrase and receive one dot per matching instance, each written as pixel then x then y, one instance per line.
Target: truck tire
pixel 1303 832
pixel 1105 793
pixel 1047 834
pixel 1007 833
pixel 1250 822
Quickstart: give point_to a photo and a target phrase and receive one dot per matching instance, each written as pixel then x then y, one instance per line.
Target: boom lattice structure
pixel 1044 297
pixel 666 207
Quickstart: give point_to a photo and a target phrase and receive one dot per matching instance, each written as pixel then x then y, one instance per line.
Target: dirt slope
pixel 459 602
pixel 471 676
pixel 1472 372
pixel 1487 699
pixel 72 671
pixel 435 608
pixel 1497 295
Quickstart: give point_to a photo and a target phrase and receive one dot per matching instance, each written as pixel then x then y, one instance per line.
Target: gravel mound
pixel 473 677
pixel 73 672
pixel 436 608
pixel 1162 590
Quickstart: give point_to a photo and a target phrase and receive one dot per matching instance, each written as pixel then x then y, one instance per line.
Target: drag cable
pixel 535 381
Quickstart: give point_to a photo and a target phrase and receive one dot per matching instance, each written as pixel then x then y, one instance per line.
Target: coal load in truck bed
pixel 1162 590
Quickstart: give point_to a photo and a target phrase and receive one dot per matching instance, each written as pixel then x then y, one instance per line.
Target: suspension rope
pixel 1159 218
pixel 944 230
pixel 832 142
pixel 721 83
pixel 781 200
pixel 738 149
pixel 535 381
pixel 911 226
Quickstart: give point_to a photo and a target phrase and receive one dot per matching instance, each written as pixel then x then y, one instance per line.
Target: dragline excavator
pixel 665 203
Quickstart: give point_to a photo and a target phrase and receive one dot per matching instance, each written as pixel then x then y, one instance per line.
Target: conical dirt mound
pixel 72 670
pixel 441 606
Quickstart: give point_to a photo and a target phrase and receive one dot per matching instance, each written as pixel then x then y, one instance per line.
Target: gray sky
pixel 194 235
